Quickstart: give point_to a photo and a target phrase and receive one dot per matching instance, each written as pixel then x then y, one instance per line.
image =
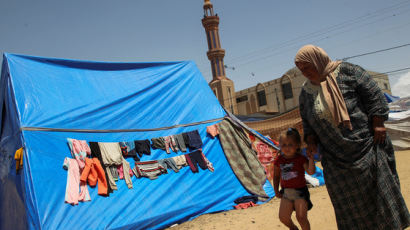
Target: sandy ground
pixel 266 216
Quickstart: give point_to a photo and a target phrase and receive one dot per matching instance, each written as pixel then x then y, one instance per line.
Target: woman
pixel 344 111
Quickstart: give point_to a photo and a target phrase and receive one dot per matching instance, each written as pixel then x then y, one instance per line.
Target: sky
pixel 260 37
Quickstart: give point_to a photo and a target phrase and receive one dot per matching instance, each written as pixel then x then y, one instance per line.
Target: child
pixel 289 169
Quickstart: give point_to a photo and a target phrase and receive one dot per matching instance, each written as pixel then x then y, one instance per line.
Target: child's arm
pixel 276 180
pixel 310 165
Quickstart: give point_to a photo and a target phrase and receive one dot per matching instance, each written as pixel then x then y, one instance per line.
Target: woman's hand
pixel 278 195
pixel 379 130
pixel 311 148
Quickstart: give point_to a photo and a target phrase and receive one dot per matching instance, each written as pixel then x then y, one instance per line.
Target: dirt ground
pixel 266 216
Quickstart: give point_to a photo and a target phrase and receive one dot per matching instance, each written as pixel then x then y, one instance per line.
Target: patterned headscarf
pixel 318 58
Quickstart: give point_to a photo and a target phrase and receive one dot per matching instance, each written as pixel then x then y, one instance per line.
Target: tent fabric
pixel 396 116
pixel 398 124
pixel 391 98
pixel 400 105
pixel 254 132
pixel 399 131
pixel 66 94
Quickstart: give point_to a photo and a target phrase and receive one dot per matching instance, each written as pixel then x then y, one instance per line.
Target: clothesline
pixel 115 130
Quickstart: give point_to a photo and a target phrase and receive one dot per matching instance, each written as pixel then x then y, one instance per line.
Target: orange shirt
pixel 94 172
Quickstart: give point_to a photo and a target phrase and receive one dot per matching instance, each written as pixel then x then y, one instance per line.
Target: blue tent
pixel 45 101
pixel 391 98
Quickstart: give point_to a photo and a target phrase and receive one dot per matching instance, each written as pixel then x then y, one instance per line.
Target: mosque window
pixel 287 90
pixel 261 98
pixel 241 99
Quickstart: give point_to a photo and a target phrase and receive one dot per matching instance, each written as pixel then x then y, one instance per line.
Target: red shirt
pixel 292 171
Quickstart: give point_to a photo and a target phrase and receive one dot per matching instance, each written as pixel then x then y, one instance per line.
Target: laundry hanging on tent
pixel 143 147
pixel 154 168
pixel 169 163
pixel 128 150
pixel 114 172
pixel 95 152
pixel 266 154
pixel 180 161
pixel 242 158
pixel 178 142
pixel 212 130
pixel 73 195
pixel 158 143
pixel 149 169
pixel 170 144
pixel 120 170
pixel 193 139
pixel 127 177
pixel 75 166
pixel 116 167
pixel 112 157
pixel 93 173
pixel 198 158
pixel 79 150
pixel 82 169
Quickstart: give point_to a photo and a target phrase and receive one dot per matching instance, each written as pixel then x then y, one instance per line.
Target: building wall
pixel 382 80
pixel 278 100
pixel 224 90
pixel 247 100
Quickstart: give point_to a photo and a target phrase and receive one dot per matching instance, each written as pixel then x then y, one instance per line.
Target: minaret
pixel 222 86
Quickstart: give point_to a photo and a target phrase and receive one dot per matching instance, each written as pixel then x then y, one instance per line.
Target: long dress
pixel 360 176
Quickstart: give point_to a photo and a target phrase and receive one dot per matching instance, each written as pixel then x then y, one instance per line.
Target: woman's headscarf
pixel 318 58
